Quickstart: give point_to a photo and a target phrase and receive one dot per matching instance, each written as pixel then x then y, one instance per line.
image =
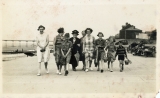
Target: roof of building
pixel 133 29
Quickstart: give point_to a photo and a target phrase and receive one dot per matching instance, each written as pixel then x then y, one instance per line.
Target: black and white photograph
pixel 80 49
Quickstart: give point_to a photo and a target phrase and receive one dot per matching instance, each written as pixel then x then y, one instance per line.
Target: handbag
pixel 43 50
pixel 127 62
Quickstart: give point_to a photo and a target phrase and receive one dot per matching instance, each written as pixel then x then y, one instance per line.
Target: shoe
pixel 66 73
pixel 38 74
pixel 111 70
pixel 108 69
pixel 86 69
pixel 98 69
pixel 121 70
pixel 90 68
pixel 102 71
pixel 47 71
pixel 59 73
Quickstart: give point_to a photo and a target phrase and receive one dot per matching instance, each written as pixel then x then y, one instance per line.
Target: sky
pixel 21 19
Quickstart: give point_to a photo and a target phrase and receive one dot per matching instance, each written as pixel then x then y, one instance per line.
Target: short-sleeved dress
pixel 65 46
pixel 101 43
pixel 111 51
pixel 43 56
pixel 58 40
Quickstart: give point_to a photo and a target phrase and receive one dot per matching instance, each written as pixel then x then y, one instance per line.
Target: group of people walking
pixel 70 50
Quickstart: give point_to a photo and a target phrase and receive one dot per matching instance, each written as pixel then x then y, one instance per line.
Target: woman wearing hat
pixel 43 51
pixel 100 44
pixel 65 53
pixel 88 48
pixel 57 46
pixel 75 50
pixel 110 49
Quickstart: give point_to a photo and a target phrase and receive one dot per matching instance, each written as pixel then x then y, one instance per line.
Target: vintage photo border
pixel 102 95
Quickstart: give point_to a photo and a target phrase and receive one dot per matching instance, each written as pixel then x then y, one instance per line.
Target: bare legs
pixel 110 67
pixel 39 68
pixel 101 63
pixel 121 65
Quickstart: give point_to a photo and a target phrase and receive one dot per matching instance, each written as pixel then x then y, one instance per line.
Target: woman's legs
pixel 60 67
pixel 66 69
pixel 108 65
pixel 102 65
pixel 39 69
pixel 46 64
pixel 84 66
pixel 87 64
pixel 111 67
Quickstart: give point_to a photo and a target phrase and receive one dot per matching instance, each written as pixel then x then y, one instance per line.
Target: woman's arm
pixel 68 51
pixel 37 41
pixel 62 52
pixel 54 41
pixel 47 42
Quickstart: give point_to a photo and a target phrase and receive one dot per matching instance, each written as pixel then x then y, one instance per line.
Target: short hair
pixel 60 30
pixel 41 27
pixel 88 29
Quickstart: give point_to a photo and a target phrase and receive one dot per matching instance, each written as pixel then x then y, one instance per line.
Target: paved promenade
pixel 19 76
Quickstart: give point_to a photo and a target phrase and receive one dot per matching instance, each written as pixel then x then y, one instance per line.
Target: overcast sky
pixel 21 19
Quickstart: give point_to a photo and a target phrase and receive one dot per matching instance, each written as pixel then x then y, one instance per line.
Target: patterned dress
pixel 59 39
pixel 101 43
pixel 111 51
pixel 65 46
pixel 88 46
pixel 42 56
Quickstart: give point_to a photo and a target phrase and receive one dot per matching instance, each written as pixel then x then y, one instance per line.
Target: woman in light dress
pixel 43 51
pixel 88 48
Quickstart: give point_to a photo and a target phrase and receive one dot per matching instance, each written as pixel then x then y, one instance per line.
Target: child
pixel 100 45
pixel 65 56
pixel 121 52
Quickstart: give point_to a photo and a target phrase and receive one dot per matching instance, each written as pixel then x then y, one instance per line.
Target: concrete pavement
pixel 19 76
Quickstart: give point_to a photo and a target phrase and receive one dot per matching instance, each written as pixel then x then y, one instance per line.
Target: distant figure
pixel 100 44
pixel 121 52
pixel 75 50
pixel 82 56
pixel 57 47
pixel 43 52
pixel 88 48
pixel 65 55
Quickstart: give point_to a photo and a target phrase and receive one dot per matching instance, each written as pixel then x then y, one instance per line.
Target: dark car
pixel 124 42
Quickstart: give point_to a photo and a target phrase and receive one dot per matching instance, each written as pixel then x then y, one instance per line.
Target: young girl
pixel 65 56
pixel 110 48
pixel 100 45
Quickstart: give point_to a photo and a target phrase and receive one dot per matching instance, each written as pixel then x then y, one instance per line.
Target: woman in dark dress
pixel 75 50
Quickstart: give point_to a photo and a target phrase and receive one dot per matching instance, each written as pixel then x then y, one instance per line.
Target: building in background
pixel 129 31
